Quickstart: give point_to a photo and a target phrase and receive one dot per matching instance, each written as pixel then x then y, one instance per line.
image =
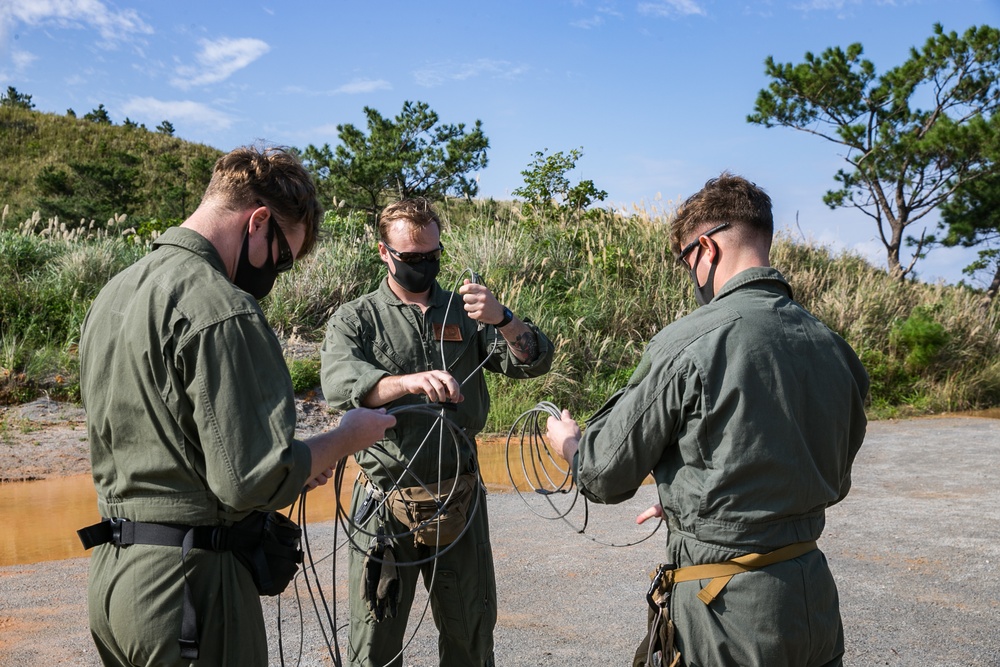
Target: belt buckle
pixel 654 585
pixel 116 530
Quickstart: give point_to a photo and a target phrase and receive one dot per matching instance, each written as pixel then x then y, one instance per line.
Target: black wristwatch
pixel 507 317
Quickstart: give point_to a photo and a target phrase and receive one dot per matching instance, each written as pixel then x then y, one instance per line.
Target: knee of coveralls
pixel 135 604
pixel 786 615
pixel 463 598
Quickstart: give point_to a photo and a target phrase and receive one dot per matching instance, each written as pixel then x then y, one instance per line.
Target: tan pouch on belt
pixel 436 513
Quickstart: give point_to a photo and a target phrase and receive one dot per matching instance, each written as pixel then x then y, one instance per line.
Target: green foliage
pixel 547 189
pixel 166 127
pixel 91 190
pixel 87 170
pixel 921 336
pixel 12 98
pixel 599 285
pixel 343 267
pixel 98 115
pixel 903 161
pixel 972 218
pixel 409 156
pixel 305 374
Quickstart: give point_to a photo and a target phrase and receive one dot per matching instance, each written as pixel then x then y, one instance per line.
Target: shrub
pixel 305 374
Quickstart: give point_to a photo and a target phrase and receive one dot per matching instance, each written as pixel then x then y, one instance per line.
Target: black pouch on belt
pixel 267 543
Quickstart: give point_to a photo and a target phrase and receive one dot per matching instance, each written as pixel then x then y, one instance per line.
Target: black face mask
pixel 257 281
pixel 703 294
pixel 415 278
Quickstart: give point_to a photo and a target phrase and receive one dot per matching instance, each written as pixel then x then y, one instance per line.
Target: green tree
pixel 12 98
pixel 98 115
pixel 547 188
pixel 408 156
pixel 177 186
pixel 91 190
pixel 166 127
pixel 972 219
pixel 903 161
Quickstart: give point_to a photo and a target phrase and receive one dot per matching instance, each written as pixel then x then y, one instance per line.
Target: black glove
pixel 380 584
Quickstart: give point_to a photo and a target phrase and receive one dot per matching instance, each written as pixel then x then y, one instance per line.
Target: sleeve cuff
pixel 364 384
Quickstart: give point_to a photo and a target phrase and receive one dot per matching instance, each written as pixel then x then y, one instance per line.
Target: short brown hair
pixel 271 176
pixel 418 211
pixel 728 198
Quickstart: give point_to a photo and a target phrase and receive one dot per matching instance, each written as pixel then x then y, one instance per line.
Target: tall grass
pixel 600 286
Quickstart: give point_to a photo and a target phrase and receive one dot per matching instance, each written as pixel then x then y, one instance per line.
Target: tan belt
pixel 721 573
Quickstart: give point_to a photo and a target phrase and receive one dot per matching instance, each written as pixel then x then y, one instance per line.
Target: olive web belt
pixel 721 573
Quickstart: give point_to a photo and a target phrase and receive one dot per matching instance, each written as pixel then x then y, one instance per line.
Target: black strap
pixel 122 532
pixel 189 617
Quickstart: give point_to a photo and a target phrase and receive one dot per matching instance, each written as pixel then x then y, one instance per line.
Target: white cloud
pixel 362 86
pixel 21 59
pixel 839 6
pixel 180 112
pixel 670 8
pixel 218 60
pixel 113 24
pixel 587 24
pixel 439 73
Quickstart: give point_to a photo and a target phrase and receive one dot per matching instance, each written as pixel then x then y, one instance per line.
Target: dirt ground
pixel 915 549
pixel 46 438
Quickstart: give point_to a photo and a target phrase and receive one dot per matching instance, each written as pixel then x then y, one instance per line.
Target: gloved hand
pixel 380 584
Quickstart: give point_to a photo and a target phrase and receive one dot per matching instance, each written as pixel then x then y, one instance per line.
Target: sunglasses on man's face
pixel 285 256
pixel 415 257
pixel 694 244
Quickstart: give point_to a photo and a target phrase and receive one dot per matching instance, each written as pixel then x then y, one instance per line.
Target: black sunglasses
pixel 694 244
pixel 285 256
pixel 414 257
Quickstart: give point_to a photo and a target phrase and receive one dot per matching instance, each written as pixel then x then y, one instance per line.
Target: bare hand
pixel 365 426
pixel 320 479
pixel 480 303
pixel 563 435
pixel 654 511
pixel 358 428
pixel 437 386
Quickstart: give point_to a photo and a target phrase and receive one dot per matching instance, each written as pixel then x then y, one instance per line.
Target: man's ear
pixel 258 219
pixel 710 249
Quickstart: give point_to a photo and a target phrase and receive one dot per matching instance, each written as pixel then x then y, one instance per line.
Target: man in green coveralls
pixel 749 413
pixel 191 414
pixel 385 349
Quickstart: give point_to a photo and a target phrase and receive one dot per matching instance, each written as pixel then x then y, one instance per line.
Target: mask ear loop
pixel 705 293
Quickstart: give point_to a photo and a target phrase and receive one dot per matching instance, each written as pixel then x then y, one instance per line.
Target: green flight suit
pixel 378 336
pixel 749 413
pixel 191 419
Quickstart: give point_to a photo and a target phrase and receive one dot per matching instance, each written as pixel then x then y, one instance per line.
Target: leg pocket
pixel 448 607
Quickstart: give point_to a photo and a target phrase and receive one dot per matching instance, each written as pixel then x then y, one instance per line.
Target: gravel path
pixel 915 549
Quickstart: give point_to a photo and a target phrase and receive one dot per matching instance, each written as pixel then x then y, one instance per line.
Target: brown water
pixel 43 516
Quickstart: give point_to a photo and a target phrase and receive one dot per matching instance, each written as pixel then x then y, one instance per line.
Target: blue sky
pixel 655 92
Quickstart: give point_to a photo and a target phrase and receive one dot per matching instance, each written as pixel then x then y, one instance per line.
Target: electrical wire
pixel 387 462
pixel 537 460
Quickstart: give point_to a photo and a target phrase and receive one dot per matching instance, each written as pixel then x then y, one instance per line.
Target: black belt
pixel 122 532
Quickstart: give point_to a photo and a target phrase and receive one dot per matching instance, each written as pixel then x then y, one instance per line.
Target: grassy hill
pixel 81 169
pixel 599 284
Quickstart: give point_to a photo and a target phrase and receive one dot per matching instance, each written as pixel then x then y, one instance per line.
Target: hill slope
pixel 75 168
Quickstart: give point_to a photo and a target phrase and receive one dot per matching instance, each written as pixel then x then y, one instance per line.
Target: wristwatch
pixel 507 317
